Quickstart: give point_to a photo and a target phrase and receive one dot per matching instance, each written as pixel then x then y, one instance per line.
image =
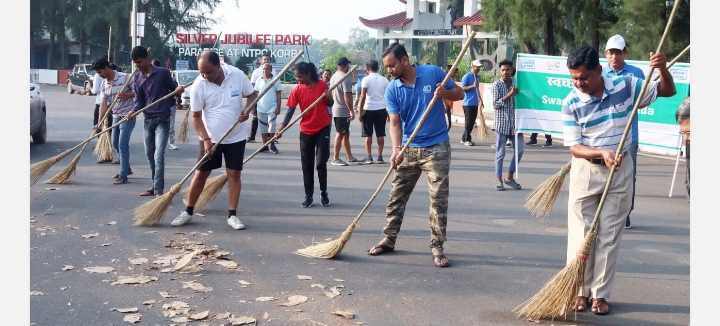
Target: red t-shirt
pixel 318 118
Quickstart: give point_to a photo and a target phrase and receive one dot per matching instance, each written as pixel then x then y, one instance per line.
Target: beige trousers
pixel 587 183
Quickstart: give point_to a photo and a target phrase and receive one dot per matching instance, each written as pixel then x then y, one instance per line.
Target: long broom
pixel 153 211
pixel 482 128
pixel 330 249
pixel 541 200
pixel 214 185
pixel 38 169
pixel 557 297
pixel 69 171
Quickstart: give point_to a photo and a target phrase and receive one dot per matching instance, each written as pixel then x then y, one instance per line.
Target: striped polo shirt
pixel 600 122
pixel 109 90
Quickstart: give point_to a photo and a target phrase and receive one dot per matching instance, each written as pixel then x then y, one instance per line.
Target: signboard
pixel 544 81
pixel 436 32
pixel 182 65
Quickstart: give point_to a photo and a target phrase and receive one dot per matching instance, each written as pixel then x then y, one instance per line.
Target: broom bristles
pixel 38 169
pixel 182 132
pixel 69 171
pixel 541 200
pixel 103 149
pixel 483 133
pixel 327 250
pixel 210 191
pixel 557 297
pixel 153 211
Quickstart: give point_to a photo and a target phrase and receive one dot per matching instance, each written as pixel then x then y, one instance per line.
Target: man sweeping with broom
pixel 594 115
pixel 407 96
pixel 216 103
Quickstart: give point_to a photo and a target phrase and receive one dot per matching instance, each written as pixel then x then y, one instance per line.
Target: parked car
pixel 38 123
pixel 183 77
pixel 81 78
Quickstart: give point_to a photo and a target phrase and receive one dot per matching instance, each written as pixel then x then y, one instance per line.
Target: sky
pixel 331 19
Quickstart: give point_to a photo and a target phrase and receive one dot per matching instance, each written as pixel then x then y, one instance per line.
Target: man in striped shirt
pixel 504 91
pixel 112 82
pixel 595 116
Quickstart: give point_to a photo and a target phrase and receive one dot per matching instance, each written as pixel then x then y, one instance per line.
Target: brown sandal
pixel 580 303
pixel 597 304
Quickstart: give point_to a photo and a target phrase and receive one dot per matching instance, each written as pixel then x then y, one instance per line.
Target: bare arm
pixel 395 132
pixel 349 104
pixel 279 100
pixel 454 94
pixel 666 88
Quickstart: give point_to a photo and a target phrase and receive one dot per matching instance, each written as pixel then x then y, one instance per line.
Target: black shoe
pixel 264 149
pixel 531 143
pixel 324 200
pixel 274 149
pixel 307 202
pixel 627 223
pixel 548 144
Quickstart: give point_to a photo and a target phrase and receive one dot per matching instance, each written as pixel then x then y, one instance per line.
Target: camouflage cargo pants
pixel 435 161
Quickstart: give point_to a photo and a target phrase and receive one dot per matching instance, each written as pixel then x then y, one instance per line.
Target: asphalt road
pixel 501 255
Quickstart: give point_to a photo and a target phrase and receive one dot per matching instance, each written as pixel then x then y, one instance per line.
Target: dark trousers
pixel 108 120
pixel 533 137
pixel 315 152
pixel 471 113
pixel 253 127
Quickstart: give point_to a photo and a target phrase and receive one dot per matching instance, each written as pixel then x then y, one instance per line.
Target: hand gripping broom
pixel 331 248
pixel 69 171
pixel 214 185
pixel 557 297
pixel 540 201
pixel 153 211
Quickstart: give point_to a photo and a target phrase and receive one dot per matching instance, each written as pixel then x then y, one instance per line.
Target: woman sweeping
pixel 314 129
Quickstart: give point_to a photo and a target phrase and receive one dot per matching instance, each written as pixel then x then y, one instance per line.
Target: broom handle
pixel 246 111
pixel 684 52
pixel 417 128
pixel 596 220
pixel 347 75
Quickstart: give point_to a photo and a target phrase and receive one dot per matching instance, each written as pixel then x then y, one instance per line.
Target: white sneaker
pixel 172 146
pixel 183 218
pixel 235 223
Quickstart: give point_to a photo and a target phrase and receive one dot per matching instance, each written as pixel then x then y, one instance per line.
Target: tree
pixel 358 34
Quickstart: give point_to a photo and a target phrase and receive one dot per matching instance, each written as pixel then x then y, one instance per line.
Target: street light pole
pixel 133 23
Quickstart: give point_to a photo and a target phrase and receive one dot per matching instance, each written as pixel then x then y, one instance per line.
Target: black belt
pixel 600 160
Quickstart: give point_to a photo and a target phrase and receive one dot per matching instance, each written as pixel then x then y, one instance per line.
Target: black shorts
pixel 233 154
pixel 374 119
pixel 342 125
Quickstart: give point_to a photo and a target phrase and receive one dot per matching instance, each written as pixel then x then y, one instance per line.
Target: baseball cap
pixel 343 61
pixel 476 63
pixel 615 42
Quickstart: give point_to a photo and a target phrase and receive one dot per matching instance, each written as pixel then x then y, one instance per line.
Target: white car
pixel 38 123
pixel 183 77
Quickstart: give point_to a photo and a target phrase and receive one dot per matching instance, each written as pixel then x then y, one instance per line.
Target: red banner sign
pixel 239 39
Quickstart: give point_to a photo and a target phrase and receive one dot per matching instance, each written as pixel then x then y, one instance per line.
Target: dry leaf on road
pixel 185 260
pixel 200 315
pixel 266 299
pixel 197 287
pixel 304 277
pixel 147 302
pixel 112 223
pixel 134 279
pixel 294 300
pixel 167 295
pixel 91 235
pixel 243 282
pixel 224 315
pixel 138 261
pixel 227 263
pixel 181 319
pixel 67 267
pixel 346 314
pixel 124 310
pixel 132 318
pixel 242 320
pixel 36 293
pixel 99 269
pixel 339 280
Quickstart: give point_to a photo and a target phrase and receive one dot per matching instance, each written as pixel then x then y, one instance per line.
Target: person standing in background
pixel 471 101
pixel 373 113
pixel 257 73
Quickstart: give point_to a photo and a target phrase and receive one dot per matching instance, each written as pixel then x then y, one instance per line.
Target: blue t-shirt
pixel 358 86
pixel 627 70
pixel 411 101
pixel 471 96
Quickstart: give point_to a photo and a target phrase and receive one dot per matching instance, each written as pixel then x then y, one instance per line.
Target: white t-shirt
pixel 97 82
pixel 268 103
pixel 375 96
pixel 257 73
pixel 221 105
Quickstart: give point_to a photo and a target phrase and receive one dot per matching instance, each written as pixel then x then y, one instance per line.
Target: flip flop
pixel 513 184
pixel 440 257
pixel 596 305
pixel 385 250
pixel 149 192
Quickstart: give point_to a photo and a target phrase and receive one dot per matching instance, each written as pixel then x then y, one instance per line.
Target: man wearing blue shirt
pixel 407 97
pixel 615 53
pixel 471 101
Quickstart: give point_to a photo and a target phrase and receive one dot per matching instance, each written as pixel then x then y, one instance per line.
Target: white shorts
pixel 266 123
